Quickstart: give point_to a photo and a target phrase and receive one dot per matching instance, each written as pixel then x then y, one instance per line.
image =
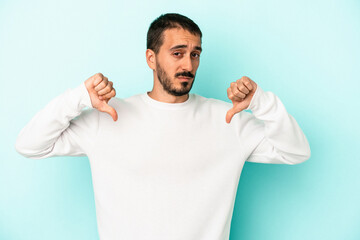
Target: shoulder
pixel 211 102
pixel 124 102
pixel 217 109
pixel 219 106
pixel 126 106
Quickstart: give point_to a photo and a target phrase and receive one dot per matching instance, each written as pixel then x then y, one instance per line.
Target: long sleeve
pixel 61 128
pixel 280 139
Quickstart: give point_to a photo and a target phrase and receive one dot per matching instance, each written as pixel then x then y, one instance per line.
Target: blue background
pixel 307 52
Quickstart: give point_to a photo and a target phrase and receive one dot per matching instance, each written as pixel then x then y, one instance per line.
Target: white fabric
pixel 164 171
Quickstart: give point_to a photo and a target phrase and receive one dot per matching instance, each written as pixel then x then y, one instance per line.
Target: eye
pixel 195 55
pixel 177 54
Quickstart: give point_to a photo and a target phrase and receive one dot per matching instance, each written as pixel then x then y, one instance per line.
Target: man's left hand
pixel 240 93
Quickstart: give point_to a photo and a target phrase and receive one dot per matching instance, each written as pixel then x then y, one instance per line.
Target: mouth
pixel 184 78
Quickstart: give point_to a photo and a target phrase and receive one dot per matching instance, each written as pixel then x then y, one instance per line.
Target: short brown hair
pixel 168 21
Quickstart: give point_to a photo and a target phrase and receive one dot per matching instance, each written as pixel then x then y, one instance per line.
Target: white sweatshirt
pixel 165 171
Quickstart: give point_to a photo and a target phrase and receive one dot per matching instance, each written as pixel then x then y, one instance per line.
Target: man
pixel 166 164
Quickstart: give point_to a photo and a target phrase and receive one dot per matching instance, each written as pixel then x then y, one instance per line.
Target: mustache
pixel 185 74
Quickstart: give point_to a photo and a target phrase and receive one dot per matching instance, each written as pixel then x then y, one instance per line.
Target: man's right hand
pixel 101 91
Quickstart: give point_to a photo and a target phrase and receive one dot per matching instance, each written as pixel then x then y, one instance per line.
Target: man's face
pixel 178 60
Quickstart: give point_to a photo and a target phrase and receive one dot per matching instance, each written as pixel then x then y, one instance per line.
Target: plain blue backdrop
pixel 306 52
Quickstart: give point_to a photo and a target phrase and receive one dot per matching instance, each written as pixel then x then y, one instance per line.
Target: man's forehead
pixel 179 36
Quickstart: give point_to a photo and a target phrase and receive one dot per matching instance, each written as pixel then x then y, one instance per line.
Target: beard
pixel 169 87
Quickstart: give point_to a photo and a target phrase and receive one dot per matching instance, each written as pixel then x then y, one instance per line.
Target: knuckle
pixel 111 93
pixel 100 86
pixel 99 75
pixel 98 79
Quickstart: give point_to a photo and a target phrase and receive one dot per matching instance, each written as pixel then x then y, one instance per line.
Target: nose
pixel 187 64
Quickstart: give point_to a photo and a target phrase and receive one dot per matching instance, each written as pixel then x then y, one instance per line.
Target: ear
pixel 151 59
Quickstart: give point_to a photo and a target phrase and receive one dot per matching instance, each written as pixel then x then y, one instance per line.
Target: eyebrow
pixel 185 46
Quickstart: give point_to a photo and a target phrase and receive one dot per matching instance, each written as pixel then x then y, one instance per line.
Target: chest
pixel 169 144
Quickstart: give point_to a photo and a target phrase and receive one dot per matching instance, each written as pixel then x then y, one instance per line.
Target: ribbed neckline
pixel 169 106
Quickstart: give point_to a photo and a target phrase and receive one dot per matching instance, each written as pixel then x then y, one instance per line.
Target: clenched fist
pixel 240 93
pixel 101 91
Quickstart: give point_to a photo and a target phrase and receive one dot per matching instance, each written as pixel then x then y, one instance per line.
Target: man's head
pixel 173 51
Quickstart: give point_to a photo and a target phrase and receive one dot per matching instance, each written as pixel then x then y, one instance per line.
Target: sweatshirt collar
pixel 163 105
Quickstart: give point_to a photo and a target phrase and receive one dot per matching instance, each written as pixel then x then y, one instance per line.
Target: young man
pixel 166 164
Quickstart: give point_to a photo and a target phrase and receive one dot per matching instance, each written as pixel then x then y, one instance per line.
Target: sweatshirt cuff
pixel 260 102
pixel 83 96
